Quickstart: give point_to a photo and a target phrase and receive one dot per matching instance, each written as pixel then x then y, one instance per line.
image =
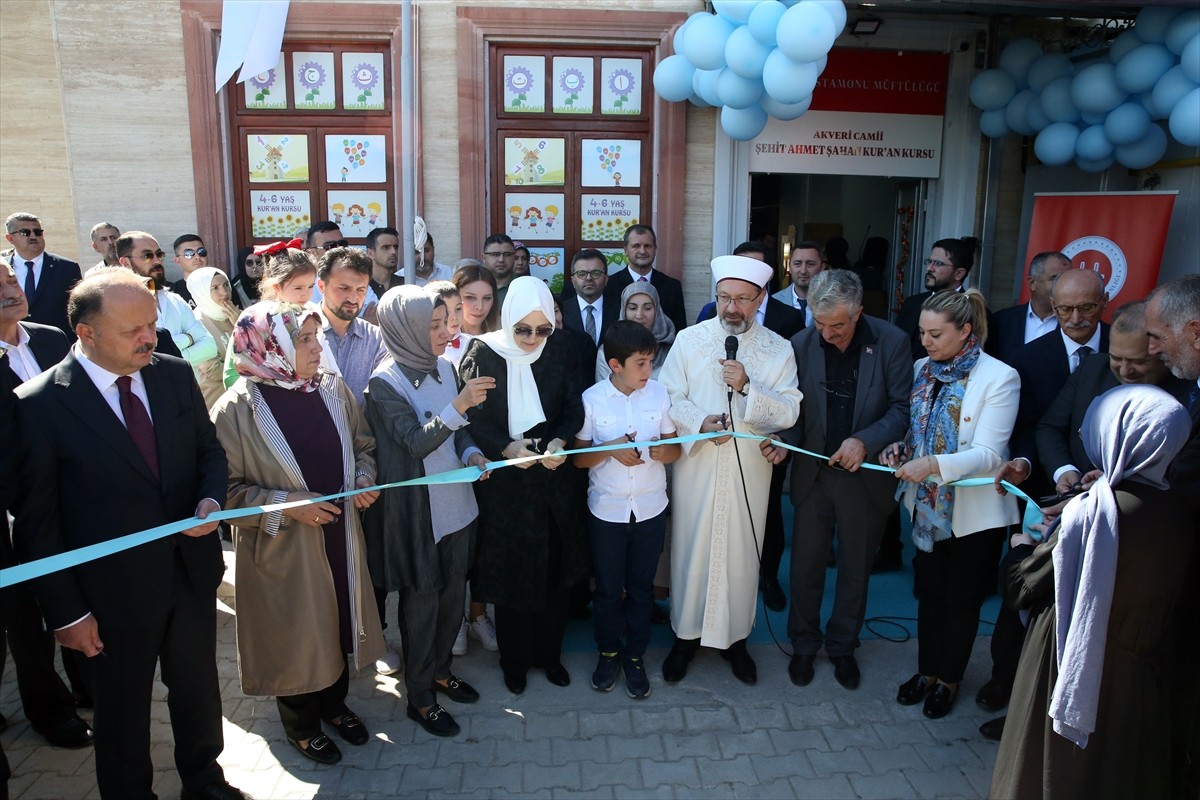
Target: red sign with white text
pixel 883 82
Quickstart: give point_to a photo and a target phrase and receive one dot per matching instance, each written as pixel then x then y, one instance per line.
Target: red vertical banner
pixel 1118 234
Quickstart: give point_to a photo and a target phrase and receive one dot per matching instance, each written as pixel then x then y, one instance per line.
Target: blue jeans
pixel 625 558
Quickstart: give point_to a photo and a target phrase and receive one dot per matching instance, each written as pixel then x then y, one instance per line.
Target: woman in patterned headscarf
pixel 293 431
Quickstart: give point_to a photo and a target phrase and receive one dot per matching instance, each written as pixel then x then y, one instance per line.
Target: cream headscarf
pixel 199 283
pixel 525 295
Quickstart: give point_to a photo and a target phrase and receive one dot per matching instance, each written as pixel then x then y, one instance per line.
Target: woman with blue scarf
pixel 964 404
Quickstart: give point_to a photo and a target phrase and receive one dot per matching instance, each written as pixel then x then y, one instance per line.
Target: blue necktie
pixel 30 284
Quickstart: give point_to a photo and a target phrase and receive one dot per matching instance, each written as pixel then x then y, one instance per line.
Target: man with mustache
pixel 139 252
pixel 104 241
pixel 355 345
pixel 45 278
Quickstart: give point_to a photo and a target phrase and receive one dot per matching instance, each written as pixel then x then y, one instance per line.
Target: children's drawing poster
pixel 357 213
pixel 612 162
pixel 533 216
pixel 546 262
pixel 277 157
pixel 525 84
pixel 278 215
pixel 362 82
pixel 529 161
pixel 356 159
pixel 268 89
pixel 606 216
pixel 620 86
pixel 615 258
pixel 572 86
pixel 313 75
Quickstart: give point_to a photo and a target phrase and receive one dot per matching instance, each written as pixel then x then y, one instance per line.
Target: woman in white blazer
pixel 964 404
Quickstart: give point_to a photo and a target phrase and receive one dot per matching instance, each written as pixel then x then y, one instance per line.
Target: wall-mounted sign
pixel 277 158
pixel 573 85
pixel 355 159
pixel 525 84
pixel 611 162
pixel 621 86
pixel 533 216
pixel 357 212
pixel 606 216
pixel 533 161
pixel 268 89
pixel 278 215
pixel 362 82
pixel 313 85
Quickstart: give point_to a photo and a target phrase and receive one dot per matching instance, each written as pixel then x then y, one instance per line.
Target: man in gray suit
pixel 856 374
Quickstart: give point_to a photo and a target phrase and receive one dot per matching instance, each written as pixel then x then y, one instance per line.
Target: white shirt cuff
pixel 1058 473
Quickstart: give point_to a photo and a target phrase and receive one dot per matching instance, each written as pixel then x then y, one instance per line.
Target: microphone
pixel 731 348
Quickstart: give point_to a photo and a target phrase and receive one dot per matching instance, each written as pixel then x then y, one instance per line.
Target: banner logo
pixel 1103 256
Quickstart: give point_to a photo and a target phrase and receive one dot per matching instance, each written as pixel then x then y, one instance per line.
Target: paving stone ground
pixel 707 736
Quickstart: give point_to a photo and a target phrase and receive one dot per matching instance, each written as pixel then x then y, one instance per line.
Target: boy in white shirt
pixel 627 501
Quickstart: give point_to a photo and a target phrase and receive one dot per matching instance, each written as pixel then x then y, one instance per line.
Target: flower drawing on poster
pixel 546 262
pixel 267 89
pixel 606 216
pixel 277 158
pixel 525 84
pixel 362 81
pixel 356 159
pixel 357 213
pixel 612 162
pixel 314 88
pixel 278 215
pixel 534 161
pixel 621 86
pixel 572 85
pixel 533 216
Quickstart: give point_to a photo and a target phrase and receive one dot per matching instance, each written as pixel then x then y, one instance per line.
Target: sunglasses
pixel 190 253
pixel 253 261
pixel 333 244
pixel 27 232
pixel 524 331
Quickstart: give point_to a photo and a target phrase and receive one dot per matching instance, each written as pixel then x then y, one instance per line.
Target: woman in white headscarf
pixel 213 297
pixel 1089 711
pixel 531 547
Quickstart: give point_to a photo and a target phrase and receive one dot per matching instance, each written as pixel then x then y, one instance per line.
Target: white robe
pixel 714 548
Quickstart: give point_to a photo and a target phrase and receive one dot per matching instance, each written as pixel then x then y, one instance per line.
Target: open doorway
pixel 878 219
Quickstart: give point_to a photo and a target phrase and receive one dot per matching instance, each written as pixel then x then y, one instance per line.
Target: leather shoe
pixel 676 666
pixel 214 791
pixel 436 721
pixel 71 734
pixel 993 695
pixel 515 681
pixel 886 562
pixel 772 593
pixel 800 669
pixel 744 668
pixel 993 729
pixel 845 670
pixel 320 748
pixel 940 701
pixel 557 674
pixel 914 690
pixel 457 690
pixel 350 728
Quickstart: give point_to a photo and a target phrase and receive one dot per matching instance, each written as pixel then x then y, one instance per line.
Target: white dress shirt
pixel 1073 346
pixel 106 384
pixel 18 265
pixel 1035 326
pixel 636 277
pixel 21 358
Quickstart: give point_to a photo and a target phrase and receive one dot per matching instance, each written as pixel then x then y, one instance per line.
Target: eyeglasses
pixel 1086 310
pixel 724 299
pixel 587 273
pixel 501 254
pixel 27 232
pixel 331 245
pixel 524 331
pixel 839 388
pixel 933 262
pixel 190 253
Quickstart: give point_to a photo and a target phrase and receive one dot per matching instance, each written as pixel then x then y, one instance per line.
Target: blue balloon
pixel 836 9
pixel 736 91
pixel 1018 56
pixel 806 32
pixel 673 78
pixel 1140 69
pixel 1056 102
pixel 698 101
pixel 1092 144
pixel 1097 165
pixel 992 124
pixel 786 81
pixel 1185 119
pixel 705 41
pixel 1127 123
pixel 1035 118
pixel 736 11
pixel 1169 90
pixel 821 63
pixel 1182 29
pixel 1094 89
pixel 1047 68
pixel 743 124
pixel 677 40
pixel 1152 22
pixel 992 89
pixel 704 84
pixel 1090 118
pixel 1017 112
pixel 1149 150
pixel 744 54
pixel 1055 145
pixel 1126 41
pixel 764 19
pixel 1189 59
pixel 785 111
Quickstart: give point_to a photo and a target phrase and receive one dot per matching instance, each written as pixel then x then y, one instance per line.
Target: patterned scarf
pixel 264 348
pixel 933 430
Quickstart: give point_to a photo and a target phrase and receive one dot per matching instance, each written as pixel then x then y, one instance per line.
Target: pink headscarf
pixel 264 344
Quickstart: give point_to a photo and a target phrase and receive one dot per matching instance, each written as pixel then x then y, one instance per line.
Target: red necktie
pixel 138 423
pixel 455 342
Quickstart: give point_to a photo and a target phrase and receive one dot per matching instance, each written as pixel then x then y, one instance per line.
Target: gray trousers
pixel 836 500
pixel 429 621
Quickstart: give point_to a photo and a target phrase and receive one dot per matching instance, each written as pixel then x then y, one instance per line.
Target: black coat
pixel 909 321
pixel 1006 333
pixel 670 292
pixel 48 304
pixel 573 320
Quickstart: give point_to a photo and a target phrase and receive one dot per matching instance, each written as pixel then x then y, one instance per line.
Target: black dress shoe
pixel 676 665
pixel 940 701
pixel 350 728
pixel 214 791
pixel 886 562
pixel 914 690
pixel 744 668
pixel 436 721
pixel 659 615
pixel 515 681
pixel 993 695
pixel 772 592
pixel 845 670
pixel 557 674
pixel 457 690
pixel 800 669
pixel 320 748
pixel 71 734
pixel 993 729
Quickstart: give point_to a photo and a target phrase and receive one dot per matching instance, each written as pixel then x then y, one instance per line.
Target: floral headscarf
pixel 264 344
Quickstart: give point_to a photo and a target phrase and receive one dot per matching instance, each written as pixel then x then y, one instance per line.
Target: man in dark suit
pixel 946 268
pixel 855 374
pixel 641 248
pixel 589 311
pixel 45 277
pixel 1013 328
pixel 119 441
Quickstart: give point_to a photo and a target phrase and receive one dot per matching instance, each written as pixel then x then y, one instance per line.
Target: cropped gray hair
pixel 1178 302
pixel 835 287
